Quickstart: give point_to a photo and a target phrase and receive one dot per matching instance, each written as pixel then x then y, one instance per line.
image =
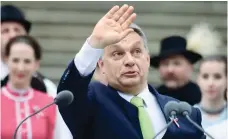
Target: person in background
pixel 175 65
pixel 13 23
pixel 212 80
pixel 219 131
pixel 19 99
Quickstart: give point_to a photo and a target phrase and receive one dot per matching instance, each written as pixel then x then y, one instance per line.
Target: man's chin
pixel 171 85
pixel 130 82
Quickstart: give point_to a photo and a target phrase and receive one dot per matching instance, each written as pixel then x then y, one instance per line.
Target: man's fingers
pixel 126 15
pixel 112 11
pixel 120 12
pixel 130 20
pixel 126 32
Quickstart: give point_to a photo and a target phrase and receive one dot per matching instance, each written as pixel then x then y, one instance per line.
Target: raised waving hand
pixel 113 27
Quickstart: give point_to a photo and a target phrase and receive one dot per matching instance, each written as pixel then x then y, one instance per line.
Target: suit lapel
pixel 132 114
pixel 162 101
pixel 129 110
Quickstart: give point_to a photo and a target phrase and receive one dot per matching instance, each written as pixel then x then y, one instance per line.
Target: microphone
pixel 186 110
pixel 171 109
pixel 63 98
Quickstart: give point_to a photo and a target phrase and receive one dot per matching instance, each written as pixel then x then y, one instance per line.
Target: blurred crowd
pixel 24 89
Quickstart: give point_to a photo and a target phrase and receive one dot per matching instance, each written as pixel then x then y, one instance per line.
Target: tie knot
pixel 137 101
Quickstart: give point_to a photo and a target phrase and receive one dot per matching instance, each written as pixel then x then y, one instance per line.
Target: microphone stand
pixel 15 133
pixel 169 123
pixel 201 129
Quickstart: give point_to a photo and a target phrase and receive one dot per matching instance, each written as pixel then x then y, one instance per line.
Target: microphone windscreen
pixel 64 98
pixel 185 107
pixel 171 106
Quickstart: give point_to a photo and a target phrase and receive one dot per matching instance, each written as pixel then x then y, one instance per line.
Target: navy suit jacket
pixel 98 112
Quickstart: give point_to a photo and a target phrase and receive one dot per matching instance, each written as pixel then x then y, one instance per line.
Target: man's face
pixel 126 63
pixel 8 31
pixel 175 71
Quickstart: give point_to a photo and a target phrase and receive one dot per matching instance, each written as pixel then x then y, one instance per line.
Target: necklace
pixel 213 112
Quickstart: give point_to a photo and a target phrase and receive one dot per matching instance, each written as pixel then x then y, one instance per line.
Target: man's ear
pixel 148 58
pixel 191 67
pixel 100 64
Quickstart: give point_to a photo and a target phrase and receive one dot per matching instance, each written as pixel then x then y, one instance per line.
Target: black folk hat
pixel 173 45
pixel 10 13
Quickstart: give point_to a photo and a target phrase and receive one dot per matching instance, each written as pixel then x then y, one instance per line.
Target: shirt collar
pixel 145 95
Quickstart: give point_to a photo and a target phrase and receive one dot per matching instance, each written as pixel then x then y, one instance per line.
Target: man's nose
pixel 170 69
pixel 129 60
pixel 12 34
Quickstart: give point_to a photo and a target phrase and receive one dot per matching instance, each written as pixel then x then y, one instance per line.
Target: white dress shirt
pixel 86 60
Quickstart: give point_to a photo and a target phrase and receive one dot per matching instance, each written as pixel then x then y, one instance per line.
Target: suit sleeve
pixel 76 78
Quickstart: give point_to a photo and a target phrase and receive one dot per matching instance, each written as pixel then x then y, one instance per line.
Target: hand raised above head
pixel 112 27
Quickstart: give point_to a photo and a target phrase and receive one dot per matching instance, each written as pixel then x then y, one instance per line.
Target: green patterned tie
pixel 144 119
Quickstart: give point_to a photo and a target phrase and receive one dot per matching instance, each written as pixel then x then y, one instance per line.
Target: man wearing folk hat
pixel 175 65
pixel 14 23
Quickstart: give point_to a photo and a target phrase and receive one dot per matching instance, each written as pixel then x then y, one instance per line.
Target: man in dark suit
pixel 175 65
pixel 127 108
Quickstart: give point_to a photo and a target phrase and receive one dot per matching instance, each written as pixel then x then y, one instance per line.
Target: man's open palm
pixel 113 27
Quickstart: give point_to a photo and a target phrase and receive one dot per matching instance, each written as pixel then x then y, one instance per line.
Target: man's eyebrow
pixel 137 43
pixel 115 47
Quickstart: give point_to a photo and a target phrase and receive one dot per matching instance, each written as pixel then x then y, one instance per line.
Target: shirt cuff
pixel 86 59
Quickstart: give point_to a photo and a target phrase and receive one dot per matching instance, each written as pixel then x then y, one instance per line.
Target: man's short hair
pixel 139 31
